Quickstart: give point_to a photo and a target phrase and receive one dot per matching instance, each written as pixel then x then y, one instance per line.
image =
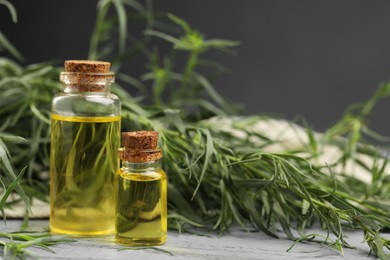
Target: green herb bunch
pixel 221 167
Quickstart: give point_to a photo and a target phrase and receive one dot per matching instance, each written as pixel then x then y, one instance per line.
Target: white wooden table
pixel 236 244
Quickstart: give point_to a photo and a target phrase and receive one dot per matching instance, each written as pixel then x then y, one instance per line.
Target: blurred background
pixel 296 58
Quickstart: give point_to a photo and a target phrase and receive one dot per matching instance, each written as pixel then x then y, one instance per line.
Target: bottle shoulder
pixel 85 95
pixel 142 175
pixel 88 104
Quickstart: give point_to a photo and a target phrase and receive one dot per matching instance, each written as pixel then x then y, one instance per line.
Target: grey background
pixel 297 58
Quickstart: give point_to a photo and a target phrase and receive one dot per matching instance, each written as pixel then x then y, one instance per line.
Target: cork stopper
pixel 86 76
pixel 87 66
pixel 140 140
pixel 140 146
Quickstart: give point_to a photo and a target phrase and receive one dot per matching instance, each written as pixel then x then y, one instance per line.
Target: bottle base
pixel 97 233
pixel 154 241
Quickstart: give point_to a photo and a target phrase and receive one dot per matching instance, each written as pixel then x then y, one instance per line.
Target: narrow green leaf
pixel 9 172
pixel 11 9
pixel 163 36
pixel 10 188
pixel 183 24
pixel 7 45
pixel 122 21
pixel 38 114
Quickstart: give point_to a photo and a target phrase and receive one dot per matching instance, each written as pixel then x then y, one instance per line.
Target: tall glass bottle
pixel 141 217
pixel 85 137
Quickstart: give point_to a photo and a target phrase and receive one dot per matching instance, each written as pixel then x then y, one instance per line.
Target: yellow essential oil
pixel 83 169
pixel 141 214
pixel 141 217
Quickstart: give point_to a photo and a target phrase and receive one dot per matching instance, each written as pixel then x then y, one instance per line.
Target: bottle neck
pixel 73 88
pixel 142 166
pixel 87 82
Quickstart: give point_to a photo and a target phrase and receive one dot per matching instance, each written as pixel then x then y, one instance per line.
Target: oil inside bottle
pixel 141 210
pixel 83 165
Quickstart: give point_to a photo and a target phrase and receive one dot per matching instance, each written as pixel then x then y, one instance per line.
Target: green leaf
pixel 210 151
pixel 38 113
pixel 9 189
pixel 11 9
pixel 9 172
pixel 7 45
pixel 182 23
pixel 163 36
pixel 220 44
pixel 122 21
pixel 12 138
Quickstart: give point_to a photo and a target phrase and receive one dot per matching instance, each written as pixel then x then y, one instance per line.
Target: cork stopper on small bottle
pixel 140 146
pixel 87 76
pixel 140 140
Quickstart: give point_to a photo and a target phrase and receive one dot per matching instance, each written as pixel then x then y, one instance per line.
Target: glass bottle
pixel 141 217
pixel 85 137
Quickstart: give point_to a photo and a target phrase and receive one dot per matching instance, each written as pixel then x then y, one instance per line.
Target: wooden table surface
pixel 236 244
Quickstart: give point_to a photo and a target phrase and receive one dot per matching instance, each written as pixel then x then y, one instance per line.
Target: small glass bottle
pixel 141 216
pixel 85 137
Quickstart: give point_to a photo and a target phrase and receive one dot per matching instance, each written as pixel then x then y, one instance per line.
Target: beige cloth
pixel 288 136
pixel 39 209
